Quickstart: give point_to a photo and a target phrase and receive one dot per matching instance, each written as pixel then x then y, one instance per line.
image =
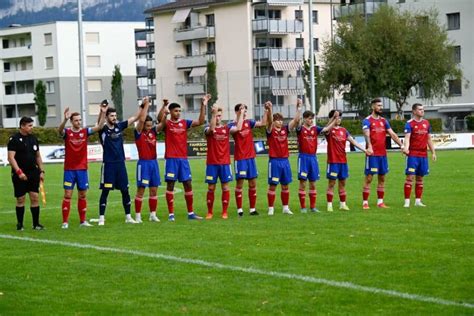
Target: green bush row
pixel 49 135
pixel 470 122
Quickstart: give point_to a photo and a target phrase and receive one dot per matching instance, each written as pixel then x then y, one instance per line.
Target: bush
pixel 470 122
pixel 436 125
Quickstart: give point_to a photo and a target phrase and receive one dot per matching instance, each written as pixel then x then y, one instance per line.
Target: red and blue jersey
pixel 308 139
pixel 419 134
pixel 76 148
pixel 176 138
pixel 378 131
pixel 146 144
pixel 218 146
pixel 336 139
pixel 244 147
pixel 278 142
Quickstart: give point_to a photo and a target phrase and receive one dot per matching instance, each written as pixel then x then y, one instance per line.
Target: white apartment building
pixel 458 18
pixel 258 48
pixel 50 52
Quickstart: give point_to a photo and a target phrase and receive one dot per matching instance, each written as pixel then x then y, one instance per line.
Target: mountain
pixel 38 11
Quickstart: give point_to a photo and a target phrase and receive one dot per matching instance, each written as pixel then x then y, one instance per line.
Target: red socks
pixel 285 197
pixel 271 197
pixel 329 195
pixel 238 197
pixel 170 201
pixel 312 198
pixel 225 200
pixel 82 208
pixel 252 197
pixel 210 201
pixel 138 204
pixel 302 197
pixel 407 188
pixel 188 196
pixel 365 193
pixel 380 192
pixel 66 207
pixel 153 203
pixel 342 195
pixel 418 189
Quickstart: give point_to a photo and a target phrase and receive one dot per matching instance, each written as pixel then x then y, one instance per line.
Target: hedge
pixel 49 135
pixel 470 122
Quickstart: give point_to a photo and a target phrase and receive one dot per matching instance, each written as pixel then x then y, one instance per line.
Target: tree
pixel 211 86
pixel 40 101
pixel 391 54
pixel 116 91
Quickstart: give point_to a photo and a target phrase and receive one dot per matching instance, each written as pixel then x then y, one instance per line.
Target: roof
pixel 180 4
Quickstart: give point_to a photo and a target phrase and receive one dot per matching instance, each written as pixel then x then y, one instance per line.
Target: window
pixel 457 54
pixel 94 85
pixel 401 1
pixel 315 16
pixel 49 86
pixel 211 47
pixel 455 87
pixel 316 44
pixel 92 37
pixel 454 21
pixel 299 42
pixel 5 43
pixel 22 65
pixel 260 42
pixel 210 21
pixel 48 39
pixel 421 91
pixel 6 67
pixel 49 63
pixel 51 110
pixel 298 14
pixel 260 14
pixel 274 14
pixel 93 61
pixel 94 108
pixel 275 42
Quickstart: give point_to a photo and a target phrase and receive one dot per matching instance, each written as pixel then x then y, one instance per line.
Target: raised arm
pixel 332 122
pixel 144 111
pixel 296 120
pixel 61 127
pixel 135 117
pixel 163 118
pixel 202 113
pixel 213 122
pixel 267 106
pixel 101 122
pixel 269 115
pixel 240 120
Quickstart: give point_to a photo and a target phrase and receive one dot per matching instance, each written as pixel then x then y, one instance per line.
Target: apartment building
pixel 258 47
pixel 49 52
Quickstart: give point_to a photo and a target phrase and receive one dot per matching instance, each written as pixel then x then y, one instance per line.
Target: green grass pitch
pixel 420 252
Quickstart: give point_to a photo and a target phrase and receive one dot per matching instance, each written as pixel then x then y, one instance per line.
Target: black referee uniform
pixel 26 149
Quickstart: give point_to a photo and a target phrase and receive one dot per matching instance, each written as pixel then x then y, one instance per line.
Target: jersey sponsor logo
pixel 304 174
pixel 411 169
pixel 68 184
pixel 243 173
pixel 107 185
pixel 209 177
pixel 144 181
pixel 81 134
pixel 275 179
pixel 374 169
pixel 170 174
pixel 333 174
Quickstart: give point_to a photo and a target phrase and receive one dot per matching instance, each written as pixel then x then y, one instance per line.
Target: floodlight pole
pixel 311 58
pixel 81 64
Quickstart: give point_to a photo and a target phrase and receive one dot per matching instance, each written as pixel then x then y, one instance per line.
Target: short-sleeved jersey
pixel 25 148
pixel 244 147
pixel 218 146
pixel 308 139
pixel 278 142
pixel 112 142
pixel 336 139
pixel 146 144
pixel 176 138
pixel 75 143
pixel 378 131
pixel 419 133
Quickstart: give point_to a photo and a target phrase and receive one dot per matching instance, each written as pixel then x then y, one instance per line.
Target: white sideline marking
pixel 282 275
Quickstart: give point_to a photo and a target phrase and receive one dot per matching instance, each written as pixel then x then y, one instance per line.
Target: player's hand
pixel 268 105
pixel 299 103
pixel 205 99
pixel 369 151
pixel 406 151
pixel 67 115
pixel 434 157
pixel 145 102
pixel 165 102
pixel 103 109
pixel 242 109
pixel 23 177
pixel 214 109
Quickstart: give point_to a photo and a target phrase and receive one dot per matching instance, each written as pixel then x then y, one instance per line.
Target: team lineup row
pixel 27 167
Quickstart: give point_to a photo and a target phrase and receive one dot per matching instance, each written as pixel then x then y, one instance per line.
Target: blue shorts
pixel 245 169
pixel 376 165
pixel 113 175
pixel 308 168
pixel 71 177
pixel 337 171
pixel 279 171
pixel 215 172
pixel 177 169
pixel 417 166
pixel 148 174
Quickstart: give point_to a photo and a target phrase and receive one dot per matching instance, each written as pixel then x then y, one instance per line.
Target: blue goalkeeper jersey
pixel 112 142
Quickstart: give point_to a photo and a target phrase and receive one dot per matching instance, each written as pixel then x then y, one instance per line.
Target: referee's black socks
pixel 35 213
pixel 20 213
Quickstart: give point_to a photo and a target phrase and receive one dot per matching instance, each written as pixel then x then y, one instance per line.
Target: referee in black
pixel 27 171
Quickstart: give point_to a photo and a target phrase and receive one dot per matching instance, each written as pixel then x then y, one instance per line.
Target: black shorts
pixel 31 185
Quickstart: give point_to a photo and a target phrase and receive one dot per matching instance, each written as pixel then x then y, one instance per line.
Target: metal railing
pixel 268 53
pixel 199 32
pixel 277 26
pixel 193 61
pixel 267 82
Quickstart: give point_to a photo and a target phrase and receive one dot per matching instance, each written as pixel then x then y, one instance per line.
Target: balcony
pixel 195 33
pixel 151 64
pixel 150 37
pixel 277 26
pixel 280 2
pixel 190 88
pixel 193 61
pixel 278 53
pixel 279 83
pixel 23 98
pixel 16 52
pixel 12 76
pixel 367 8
